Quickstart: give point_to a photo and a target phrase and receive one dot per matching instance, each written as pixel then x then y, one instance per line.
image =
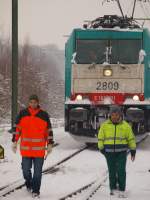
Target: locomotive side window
pixel 94 51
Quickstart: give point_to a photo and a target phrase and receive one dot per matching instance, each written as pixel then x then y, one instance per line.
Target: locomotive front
pixel 104 67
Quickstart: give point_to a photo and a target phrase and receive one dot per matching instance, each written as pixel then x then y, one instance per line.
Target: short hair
pixel 34 97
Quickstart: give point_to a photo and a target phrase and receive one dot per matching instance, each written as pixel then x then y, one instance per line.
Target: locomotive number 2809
pixel 107 85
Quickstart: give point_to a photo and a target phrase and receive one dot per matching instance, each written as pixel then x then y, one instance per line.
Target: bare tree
pixel 5 62
pixel 41 72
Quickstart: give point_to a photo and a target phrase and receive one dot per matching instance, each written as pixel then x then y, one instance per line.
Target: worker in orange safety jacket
pixel 33 128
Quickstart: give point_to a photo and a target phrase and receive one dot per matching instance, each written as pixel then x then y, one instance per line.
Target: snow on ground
pixel 138 177
pixel 84 168
pixel 11 169
pixel 75 173
pixel 72 175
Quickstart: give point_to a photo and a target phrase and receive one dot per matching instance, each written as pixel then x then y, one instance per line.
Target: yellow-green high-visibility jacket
pixel 116 138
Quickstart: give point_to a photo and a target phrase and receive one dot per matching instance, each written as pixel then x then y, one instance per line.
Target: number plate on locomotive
pixel 107 86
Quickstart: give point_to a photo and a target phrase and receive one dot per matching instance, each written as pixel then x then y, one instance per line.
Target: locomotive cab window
pixel 90 51
pixel 120 51
pixel 125 51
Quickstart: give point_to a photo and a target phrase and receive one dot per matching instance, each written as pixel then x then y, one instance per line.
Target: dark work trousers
pixel 116 163
pixel 32 182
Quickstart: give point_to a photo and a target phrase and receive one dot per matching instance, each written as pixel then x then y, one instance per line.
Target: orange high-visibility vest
pixel 33 127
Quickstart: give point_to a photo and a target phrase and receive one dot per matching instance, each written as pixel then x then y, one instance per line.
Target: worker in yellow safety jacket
pixel 115 137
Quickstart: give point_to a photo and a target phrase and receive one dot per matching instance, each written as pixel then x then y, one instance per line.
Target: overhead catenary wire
pixel 130 6
pixel 119 5
pixel 133 8
pixel 145 10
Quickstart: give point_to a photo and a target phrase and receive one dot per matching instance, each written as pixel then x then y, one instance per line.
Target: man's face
pixel 33 104
pixel 115 117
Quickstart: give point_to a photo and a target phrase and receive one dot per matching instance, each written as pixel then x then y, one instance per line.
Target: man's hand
pixel 133 152
pixel 14 147
pixel 49 150
pixel 132 158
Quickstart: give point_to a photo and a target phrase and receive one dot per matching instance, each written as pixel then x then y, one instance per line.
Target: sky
pixel 50 21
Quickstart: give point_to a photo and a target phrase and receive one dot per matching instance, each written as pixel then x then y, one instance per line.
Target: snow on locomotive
pixel 107 62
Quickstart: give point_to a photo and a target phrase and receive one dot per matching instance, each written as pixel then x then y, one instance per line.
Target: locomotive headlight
pixel 136 98
pixel 79 97
pixel 107 72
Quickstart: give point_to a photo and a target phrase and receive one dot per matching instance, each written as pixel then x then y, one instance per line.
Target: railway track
pixel 7 189
pixel 87 191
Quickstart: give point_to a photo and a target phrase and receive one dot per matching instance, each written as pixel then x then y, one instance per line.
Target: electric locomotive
pixel 107 62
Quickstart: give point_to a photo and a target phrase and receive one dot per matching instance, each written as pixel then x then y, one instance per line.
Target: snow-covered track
pixel 49 169
pixel 86 192
pixel 6 190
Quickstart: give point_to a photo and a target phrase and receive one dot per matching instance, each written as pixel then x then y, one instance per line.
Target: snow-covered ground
pixel 138 177
pixel 84 168
pixel 11 169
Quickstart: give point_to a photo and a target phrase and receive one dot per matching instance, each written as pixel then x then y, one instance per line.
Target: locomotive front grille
pixel 78 114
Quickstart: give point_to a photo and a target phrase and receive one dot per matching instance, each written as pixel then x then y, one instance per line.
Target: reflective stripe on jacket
pixel 116 138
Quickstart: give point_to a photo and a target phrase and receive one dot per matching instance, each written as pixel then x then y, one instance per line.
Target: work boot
pixel 111 192
pixel 35 195
pixel 29 189
pixel 122 194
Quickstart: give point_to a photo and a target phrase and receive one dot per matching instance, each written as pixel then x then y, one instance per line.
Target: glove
pixel 49 148
pixel 102 151
pixel 14 147
pixel 133 152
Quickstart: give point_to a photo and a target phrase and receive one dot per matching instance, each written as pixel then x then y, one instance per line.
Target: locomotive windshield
pixel 120 51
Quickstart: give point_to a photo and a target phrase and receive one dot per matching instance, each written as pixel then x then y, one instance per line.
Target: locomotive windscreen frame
pixel 125 51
